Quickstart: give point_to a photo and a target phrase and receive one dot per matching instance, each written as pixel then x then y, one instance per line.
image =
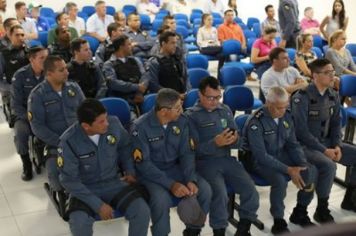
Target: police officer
pixel 91 151
pixel 8 23
pixel 123 73
pixel 141 40
pixel 61 46
pixel 83 71
pixel 316 110
pixel 276 154
pixel 24 80
pixel 52 108
pixel 106 49
pixel 166 70
pixel 164 156
pixel 288 14
pixel 12 58
pixel 214 133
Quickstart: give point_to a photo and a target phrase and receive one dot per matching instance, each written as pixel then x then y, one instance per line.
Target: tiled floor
pixel 26 210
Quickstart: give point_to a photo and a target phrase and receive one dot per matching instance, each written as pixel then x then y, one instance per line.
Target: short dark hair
pixel 59 16
pixel 18 5
pixel 162 29
pixel 32 52
pixel 89 110
pixel 268 7
pixel 166 98
pixel 49 63
pixel 99 2
pixel 274 53
pixel 166 18
pixel 7 23
pixel 316 65
pixel 269 30
pixel 227 11
pixel 68 6
pixel 209 81
pixel 164 37
pixel 119 41
pixel 132 14
pixel 76 44
pixel 112 27
pixel 15 27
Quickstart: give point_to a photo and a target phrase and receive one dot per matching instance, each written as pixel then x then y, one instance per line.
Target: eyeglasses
pixel 327 73
pixel 212 98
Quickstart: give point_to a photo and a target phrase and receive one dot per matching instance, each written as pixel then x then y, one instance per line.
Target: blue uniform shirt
pixel 50 113
pixel 288 13
pixel 143 40
pixel 86 169
pixel 157 150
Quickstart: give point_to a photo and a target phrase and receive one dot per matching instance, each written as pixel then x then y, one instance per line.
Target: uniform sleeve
pixel 99 55
pixel 147 44
pixel 115 83
pixel 291 20
pixel 144 165
pixel 257 147
pixel 38 120
pixel 300 115
pixel 17 98
pixel 293 147
pixel 335 125
pixel 100 84
pixel 151 75
pixel 70 179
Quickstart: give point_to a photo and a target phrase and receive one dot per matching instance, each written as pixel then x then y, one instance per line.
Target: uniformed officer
pixel 52 108
pixel 106 49
pixel 316 110
pixel 288 14
pixel 276 154
pixel 24 80
pixel 166 70
pixel 7 23
pixel 123 73
pixel 91 151
pixel 214 135
pixel 141 40
pixel 12 58
pixel 61 46
pixel 164 156
pixel 83 71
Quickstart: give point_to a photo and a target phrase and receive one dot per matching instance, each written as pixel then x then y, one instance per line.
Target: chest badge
pixel 331 111
pixel 71 93
pixel 137 155
pixel 29 115
pixel 176 130
pixel 223 123
pixel 60 161
pixel 285 124
pixel 192 144
pixel 111 139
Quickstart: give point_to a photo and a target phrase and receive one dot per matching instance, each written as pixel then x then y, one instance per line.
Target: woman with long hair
pixel 337 20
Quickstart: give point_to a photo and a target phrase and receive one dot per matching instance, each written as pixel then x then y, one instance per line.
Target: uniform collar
pixel 48 87
pixel 314 90
pixel 153 119
pixel 199 107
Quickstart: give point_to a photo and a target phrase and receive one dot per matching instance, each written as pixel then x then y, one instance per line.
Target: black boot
pixel 280 226
pixel 322 213
pixel 27 168
pixel 348 203
pixel 300 216
pixel 191 232
pixel 243 228
pixel 219 232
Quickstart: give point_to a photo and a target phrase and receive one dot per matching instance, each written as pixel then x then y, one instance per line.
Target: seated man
pixel 316 110
pixel 276 154
pixel 23 81
pixel 91 151
pixel 123 73
pixel 51 110
pixel 141 41
pixel 214 134
pixel 61 47
pixel 74 20
pixel 166 70
pixel 120 19
pixel 270 21
pixel 7 24
pixel 308 24
pixel 40 21
pixel 281 74
pixel 62 20
pixel 28 24
pixel 83 70
pixel 106 48
pixel 164 156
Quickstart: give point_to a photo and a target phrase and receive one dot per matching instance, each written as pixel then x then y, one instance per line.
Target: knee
pixel 160 202
pixel 329 167
pixel 204 189
pixel 279 182
pixel 81 223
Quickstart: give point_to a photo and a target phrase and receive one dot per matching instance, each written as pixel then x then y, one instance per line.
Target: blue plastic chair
pixel 232 75
pixel 156 25
pixel 238 98
pixel 90 10
pixel 183 31
pixel 110 10
pixel 317 52
pixel 43 37
pixel 191 98
pixel 197 22
pixel 198 11
pixel 83 15
pixel 243 26
pixel 256 28
pixel 352 48
pixel 145 22
pixel 93 43
pixel 318 41
pixel 180 16
pixel 251 21
pixel 118 107
pixel 232 46
pixel 348 89
pixel 249 34
pixel 291 54
pixel 238 20
pixel 197 61
pixel 127 9
pixel 217 22
pixel 148 102
pixel 195 75
pixel 33 43
pixel 47 12
pixel 194 16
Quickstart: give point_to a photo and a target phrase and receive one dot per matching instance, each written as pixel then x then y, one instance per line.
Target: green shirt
pixel 52 37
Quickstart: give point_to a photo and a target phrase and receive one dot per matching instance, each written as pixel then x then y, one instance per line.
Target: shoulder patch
pixel 258 113
pixel 253 127
pixel 135 133
pixel 286 124
pixel 296 100
pixel 71 92
pixel 111 139
pixel 60 161
pixel 29 116
pixel 192 144
pixel 137 155
pixel 286 7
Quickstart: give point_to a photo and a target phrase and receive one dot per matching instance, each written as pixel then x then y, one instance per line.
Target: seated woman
pixel 305 54
pixel 261 49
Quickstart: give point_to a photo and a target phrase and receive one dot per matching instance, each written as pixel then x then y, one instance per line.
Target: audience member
pixel 182 7
pixel 215 6
pixel 61 47
pixel 120 19
pixel 232 5
pixel 337 20
pixel 75 21
pixel 288 14
pixel 305 54
pixel 28 24
pixel 309 25
pixel 270 21
pixel 147 8
pixel 41 23
pixel 62 20
pixel 231 30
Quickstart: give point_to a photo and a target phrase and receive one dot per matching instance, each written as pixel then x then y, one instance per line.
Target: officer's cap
pixel 190 212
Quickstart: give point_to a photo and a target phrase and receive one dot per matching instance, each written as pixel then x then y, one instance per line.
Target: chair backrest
pixel 232 75
pixel 238 98
pixel 352 48
pixel 197 22
pixel 183 23
pixel 249 34
pixel 250 42
pixel 156 24
pixel 194 16
pixel 343 115
pixel 216 15
pixel 145 22
pixel 47 12
pixel 195 75
pixel 118 107
pixel 347 85
pixel 127 9
pixel 33 43
pixel 217 21
pixel 240 122
pixel 251 21
pixel 238 20
pixel 180 16
pixel 191 98
pixel 83 15
pixel 317 52
pixel 110 10
pixel 183 31
pixel 148 102
pixel 93 43
pixel 197 61
pixel 160 15
pixel 291 54
pixel 231 46
pixel 197 11
pixel 256 27
pixel 43 37
pixel 90 10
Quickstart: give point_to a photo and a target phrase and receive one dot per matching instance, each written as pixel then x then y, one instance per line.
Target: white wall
pixel 246 8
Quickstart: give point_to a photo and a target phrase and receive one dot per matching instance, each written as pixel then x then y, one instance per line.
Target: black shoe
pixel 219 232
pixel 243 228
pixel 300 216
pixel 279 226
pixel 27 168
pixel 322 214
pixel 191 232
pixel 348 202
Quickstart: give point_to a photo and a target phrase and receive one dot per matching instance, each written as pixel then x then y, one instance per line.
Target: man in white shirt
pixel 281 74
pixel 214 6
pixel 75 21
pixel 27 23
pixel 98 22
pixel 181 7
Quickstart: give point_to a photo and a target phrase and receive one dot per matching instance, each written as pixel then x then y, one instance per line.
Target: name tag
pixel 28 86
pixel 207 125
pixel 269 132
pixel 155 139
pixel 313 113
pixel 50 102
pixel 87 155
